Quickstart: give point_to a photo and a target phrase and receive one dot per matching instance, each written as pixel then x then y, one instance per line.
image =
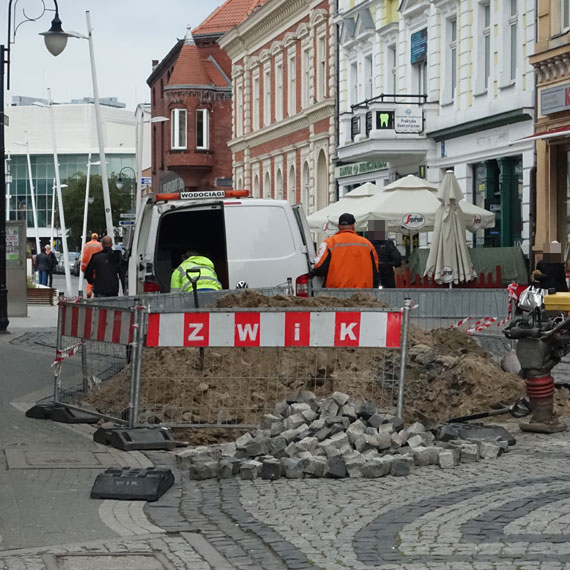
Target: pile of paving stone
pixel 333 437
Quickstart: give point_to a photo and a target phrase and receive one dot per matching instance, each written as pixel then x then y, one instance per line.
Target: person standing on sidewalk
pixel 105 270
pixel 89 249
pixel 42 265
pixel 52 265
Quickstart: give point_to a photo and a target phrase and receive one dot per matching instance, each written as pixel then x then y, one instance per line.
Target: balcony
pixel 386 126
pixel 190 158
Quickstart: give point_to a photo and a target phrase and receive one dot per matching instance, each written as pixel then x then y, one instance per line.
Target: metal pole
pixel 8 186
pixel 51 233
pixel 32 196
pixel 3 290
pixel 139 148
pixel 100 140
pixel 84 232
pixel 403 355
pixel 60 200
pixel 58 346
pixel 138 339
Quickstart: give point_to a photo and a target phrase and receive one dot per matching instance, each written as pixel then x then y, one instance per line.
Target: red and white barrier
pixel 89 323
pixel 294 328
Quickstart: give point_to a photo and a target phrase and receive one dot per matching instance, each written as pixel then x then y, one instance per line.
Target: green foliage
pixel 74 203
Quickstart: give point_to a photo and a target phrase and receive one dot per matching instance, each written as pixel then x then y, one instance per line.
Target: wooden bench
pixel 41 296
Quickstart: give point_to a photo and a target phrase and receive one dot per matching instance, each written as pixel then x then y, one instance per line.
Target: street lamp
pixel 56 44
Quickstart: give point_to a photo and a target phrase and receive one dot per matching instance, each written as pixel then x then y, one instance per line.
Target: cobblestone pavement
pixel 507 514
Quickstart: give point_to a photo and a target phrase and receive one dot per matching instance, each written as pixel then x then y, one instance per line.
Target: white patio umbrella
pixel 348 203
pixel 449 260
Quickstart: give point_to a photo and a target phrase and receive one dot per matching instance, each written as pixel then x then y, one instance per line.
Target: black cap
pixel 346 220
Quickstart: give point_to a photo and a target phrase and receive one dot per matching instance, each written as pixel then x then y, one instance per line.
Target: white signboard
pixel 408 120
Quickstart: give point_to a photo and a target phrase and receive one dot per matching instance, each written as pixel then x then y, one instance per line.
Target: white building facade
pixel 76 138
pixel 427 86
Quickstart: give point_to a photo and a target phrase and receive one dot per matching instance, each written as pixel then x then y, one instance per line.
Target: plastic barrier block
pixel 130 439
pixel 129 484
pixel 60 413
pixel 475 432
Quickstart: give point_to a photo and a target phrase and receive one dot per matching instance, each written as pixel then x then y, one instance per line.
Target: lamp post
pixel 99 124
pixel 121 181
pixel 88 200
pixel 32 192
pixel 55 40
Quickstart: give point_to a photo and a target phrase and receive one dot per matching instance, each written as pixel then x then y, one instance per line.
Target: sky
pixel 127 36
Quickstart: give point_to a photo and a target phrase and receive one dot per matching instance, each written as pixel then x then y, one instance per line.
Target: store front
pixel 498 187
pixel 351 176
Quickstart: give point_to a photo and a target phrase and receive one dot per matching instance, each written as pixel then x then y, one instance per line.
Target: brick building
pixel 283 74
pixel 192 87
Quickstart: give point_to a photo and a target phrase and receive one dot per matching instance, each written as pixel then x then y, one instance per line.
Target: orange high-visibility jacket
pixel 89 249
pixel 347 261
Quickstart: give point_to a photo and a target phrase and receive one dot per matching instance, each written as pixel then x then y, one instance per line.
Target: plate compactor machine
pixel 541 329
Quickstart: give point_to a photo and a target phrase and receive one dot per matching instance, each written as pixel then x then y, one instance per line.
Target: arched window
pixel 322 181
pixel 278 185
pixel 256 186
pixel 267 186
pixel 292 186
pixel 305 190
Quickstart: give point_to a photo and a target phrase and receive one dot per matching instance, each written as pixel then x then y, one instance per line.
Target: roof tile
pixel 192 69
pixel 228 15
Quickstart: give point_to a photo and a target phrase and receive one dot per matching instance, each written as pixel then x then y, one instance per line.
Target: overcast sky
pixel 127 35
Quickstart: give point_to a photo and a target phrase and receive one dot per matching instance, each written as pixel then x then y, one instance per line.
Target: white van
pixel 260 241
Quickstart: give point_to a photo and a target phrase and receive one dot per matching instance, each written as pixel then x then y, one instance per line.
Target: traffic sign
pixel 146 181
pixel 127 215
pixel 124 223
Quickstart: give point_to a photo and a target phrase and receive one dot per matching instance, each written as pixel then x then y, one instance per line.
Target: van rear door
pixel 305 231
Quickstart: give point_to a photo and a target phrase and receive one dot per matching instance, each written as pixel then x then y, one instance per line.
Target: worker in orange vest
pixel 347 260
pixel 90 248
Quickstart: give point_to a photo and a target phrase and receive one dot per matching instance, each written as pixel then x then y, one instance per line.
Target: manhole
pixel 108 561
pixel 58 459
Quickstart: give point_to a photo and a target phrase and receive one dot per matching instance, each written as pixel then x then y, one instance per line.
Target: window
pixel 452 50
pixel 292 86
pixel 321 68
pixel 353 83
pixel 239 110
pixel 486 38
pixel 255 118
pixel 368 77
pixel 565 9
pixel 513 17
pixel 178 122
pixel 420 77
pixel 306 98
pixel 267 98
pixel 279 92
pixel 202 129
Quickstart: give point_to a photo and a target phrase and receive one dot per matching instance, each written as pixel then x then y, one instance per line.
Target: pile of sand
pixel 447 375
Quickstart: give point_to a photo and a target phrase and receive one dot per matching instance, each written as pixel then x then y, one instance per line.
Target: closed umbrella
pixel 449 260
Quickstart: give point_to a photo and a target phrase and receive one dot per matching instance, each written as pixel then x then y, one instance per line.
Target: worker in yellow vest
pixel 195 268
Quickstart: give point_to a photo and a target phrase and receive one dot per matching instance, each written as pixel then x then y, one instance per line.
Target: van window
pixel 260 232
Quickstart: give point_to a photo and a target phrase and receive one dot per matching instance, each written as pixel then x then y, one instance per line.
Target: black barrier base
pixel 131 439
pixel 60 413
pixel 130 484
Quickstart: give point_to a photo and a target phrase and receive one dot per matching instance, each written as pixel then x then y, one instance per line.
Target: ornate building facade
pixel 283 75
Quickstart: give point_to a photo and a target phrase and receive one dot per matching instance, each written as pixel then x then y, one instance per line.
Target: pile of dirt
pixel 249 299
pixel 447 375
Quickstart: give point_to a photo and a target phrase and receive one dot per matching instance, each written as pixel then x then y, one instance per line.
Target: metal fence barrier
pixel 138 363
pixel 111 360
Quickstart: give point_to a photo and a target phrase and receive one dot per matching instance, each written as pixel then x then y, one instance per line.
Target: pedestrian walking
pixel 388 254
pixel 52 264
pixel 42 265
pixel 347 260
pixel 197 268
pixel 106 270
pixel 90 248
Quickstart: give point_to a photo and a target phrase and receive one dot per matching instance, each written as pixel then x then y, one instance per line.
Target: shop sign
pixel 360 168
pixel 555 99
pixel 476 221
pixel 409 120
pixel 413 221
pixel 384 120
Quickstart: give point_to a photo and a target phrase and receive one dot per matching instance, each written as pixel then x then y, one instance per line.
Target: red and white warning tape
pixel 485 322
pixel 61 355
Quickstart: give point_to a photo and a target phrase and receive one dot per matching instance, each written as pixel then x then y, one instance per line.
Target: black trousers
pixel 387 279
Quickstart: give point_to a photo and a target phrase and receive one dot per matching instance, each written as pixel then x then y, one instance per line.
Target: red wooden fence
pixel 404 280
